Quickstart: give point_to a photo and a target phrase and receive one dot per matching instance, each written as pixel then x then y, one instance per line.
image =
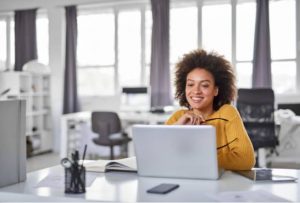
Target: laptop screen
pixel 176 151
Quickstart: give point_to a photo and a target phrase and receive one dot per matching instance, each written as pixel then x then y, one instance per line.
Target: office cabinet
pixel 12 142
pixel 35 89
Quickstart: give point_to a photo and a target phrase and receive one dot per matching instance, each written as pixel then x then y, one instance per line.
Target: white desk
pixel 129 187
pixel 75 120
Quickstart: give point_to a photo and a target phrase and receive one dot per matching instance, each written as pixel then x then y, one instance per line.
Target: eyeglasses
pixel 211 119
pixel 226 144
pixel 223 119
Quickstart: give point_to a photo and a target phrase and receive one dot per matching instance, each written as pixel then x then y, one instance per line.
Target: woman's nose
pixel 197 89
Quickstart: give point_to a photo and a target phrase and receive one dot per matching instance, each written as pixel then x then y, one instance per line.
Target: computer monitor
pixel 135 98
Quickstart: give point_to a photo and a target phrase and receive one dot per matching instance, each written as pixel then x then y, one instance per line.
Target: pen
pixel 76 156
pixel 83 156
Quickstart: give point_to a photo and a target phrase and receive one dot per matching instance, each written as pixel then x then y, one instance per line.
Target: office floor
pixel 42 161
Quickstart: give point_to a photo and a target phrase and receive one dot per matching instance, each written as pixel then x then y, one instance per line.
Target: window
pixel 7 42
pixel 183 36
pixel 96 39
pixel 216 29
pixel 245 27
pixel 120 53
pixel 148 35
pixel 96 54
pixel 284 76
pixel 42 33
pixel 129 49
pixel 282 39
pixel 3 39
pixel 218 33
pixel 283 45
pixel 113 49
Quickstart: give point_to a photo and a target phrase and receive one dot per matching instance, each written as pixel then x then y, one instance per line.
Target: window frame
pixel 142 8
pixel 234 61
pixel 199 4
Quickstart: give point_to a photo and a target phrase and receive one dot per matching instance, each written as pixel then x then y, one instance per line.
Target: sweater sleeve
pixel 174 117
pixel 239 153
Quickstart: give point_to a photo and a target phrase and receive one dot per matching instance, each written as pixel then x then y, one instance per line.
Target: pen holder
pixel 75 179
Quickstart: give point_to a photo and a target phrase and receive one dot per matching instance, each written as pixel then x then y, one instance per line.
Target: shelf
pixel 35 89
pixel 37 113
pixel 39 132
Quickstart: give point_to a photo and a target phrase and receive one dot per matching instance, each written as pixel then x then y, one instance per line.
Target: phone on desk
pixel 163 188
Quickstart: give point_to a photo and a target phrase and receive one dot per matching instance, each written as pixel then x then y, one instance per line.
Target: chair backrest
pixel 105 123
pixel 295 107
pixel 256 107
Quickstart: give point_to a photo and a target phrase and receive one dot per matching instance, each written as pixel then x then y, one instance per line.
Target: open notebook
pixel 127 165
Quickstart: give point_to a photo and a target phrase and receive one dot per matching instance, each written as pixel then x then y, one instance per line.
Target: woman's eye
pixel 189 85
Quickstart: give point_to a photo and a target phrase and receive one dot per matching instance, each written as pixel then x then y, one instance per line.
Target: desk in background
pixel 129 187
pixel 72 125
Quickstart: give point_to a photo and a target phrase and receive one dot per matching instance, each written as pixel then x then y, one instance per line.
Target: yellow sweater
pixel 239 153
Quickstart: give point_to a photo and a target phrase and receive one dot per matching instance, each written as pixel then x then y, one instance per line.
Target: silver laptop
pixel 176 151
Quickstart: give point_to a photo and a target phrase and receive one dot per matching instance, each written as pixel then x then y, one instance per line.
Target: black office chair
pixel 294 107
pixel 256 107
pixel 105 124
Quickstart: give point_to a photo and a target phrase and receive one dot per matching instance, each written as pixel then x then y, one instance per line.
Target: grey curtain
pixel 160 72
pixel 25 37
pixel 71 104
pixel 262 75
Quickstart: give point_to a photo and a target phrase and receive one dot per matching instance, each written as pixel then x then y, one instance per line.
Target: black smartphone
pixel 163 188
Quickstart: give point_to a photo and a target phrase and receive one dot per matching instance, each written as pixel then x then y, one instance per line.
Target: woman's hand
pixel 190 118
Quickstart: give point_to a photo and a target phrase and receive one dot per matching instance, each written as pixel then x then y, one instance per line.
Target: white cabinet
pixel 35 89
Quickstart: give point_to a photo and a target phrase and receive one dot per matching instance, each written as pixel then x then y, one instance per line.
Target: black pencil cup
pixel 75 179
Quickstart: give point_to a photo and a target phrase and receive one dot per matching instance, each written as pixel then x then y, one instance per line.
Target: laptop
pixel 176 151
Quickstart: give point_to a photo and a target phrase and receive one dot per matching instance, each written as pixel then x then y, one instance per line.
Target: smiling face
pixel 200 90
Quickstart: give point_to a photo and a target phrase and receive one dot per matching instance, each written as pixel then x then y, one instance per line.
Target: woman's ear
pixel 216 91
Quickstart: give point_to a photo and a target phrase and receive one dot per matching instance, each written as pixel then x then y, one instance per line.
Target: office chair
pixel 256 107
pixel 294 107
pixel 105 124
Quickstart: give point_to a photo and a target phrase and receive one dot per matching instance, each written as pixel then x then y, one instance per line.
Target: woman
pixel 205 84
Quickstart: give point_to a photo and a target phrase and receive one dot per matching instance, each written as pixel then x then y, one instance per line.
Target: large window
pixel 283 45
pixel 7 40
pixel 119 54
pixel 216 29
pixel 113 49
pixel 96 54
pixel 42 34
pixel 245 26
pixel 228 27
pixel 183 35
pixel 129 48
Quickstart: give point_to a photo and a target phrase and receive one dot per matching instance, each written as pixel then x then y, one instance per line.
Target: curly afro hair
pixel 212 62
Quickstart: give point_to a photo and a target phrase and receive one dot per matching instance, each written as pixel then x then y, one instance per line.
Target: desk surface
pixel 129 187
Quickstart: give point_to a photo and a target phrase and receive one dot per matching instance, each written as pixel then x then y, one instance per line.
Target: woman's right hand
pixel 190 118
